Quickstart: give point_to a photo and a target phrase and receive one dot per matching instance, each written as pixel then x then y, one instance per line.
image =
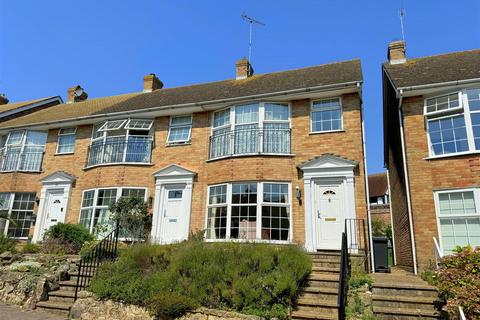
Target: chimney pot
pixel 243 69
pixel 396 52
pixel 151 83
pixel 3 99
pixel 76 94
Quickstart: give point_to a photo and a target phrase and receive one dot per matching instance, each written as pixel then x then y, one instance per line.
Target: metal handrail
pixel 27 159
pixel 119 151
pixel 342 283
pixel 357 239
pixel 438 253
pixel 105 250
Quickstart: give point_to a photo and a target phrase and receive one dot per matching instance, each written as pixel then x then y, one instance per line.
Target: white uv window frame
pixel 312 111
pixel 9 210
pixel 462 110
pixel 436 193
pixel 94 205
pixel 259 204
pixel 261 121
pixel 21 145
pixel 61 132
pixel 171 126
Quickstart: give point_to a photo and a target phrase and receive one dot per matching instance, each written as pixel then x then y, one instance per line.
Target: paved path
pixel 9 312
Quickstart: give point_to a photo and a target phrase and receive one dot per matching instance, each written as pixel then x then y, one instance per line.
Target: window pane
pixel 456 203
pixel 102 224
pixel 276 111
pixel 244 193
pixel 275 192
pixel 106 197
pixel 473 96
pixel 139 193
pixel 178 134
pixel 275 223
pixel 138 124
pixel 88 198
pixel 448 135
pixel 22 211
pixel 66 143
pixel 217 223
pixel 243 222
pixel 276 138
pixel 443 103
pixel 5 201
pixel 246 139
pixel 175 194
pixel 36 138
pixel 326 115
pixel 112 125
pixel 221 118
pixel 67 131
pixel 459 232
pixel 246 113
pixel 86 218
pixel 181 120
pixel 218 194
pixel 220 143
pixel 15 137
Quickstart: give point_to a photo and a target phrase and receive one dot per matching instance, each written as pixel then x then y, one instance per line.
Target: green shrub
pixel 71 236
pixel 31 248
pixel 359 279
pixel 170 304
pixel 6 244
pixel 250 278
pixel 459 282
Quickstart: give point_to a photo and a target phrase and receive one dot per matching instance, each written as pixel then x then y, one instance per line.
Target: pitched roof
pixel 377 184
pixel 16 105
pixel 328 74
pixel 435 69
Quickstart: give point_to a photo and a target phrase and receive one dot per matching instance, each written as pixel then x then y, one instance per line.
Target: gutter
pixel 407 183
pixel 202 105
pixel 401 90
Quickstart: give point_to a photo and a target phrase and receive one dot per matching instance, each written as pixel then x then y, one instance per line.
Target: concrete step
pixel 62 295
pixel 412 302
pixel 330 302
pixel 323 280
pixel 326 264
pixel 57 307
pixel 325 257
pixel 323 309
pixel 68 285
pixel 404 313
pixel 320 293
pixel 325 269
pixel 309 315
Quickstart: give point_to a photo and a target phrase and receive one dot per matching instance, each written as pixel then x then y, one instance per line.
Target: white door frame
pixel 326 167
pixel 171 175
pixel 58 181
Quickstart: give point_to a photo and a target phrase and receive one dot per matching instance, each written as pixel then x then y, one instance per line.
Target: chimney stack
pixel 76 94
pixel 151 83
pixel 3 99
pixel 243 69
pixel 396 52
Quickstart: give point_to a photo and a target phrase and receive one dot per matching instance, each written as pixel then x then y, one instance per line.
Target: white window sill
pixel 21 171
pixel 141 164
pixel 64 153
pixel 330 131
pixel 285 242
pixel 178 144
pixel 452 155
pixel 253 155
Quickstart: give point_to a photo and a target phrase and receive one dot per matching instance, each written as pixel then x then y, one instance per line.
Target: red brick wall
pixel 193 156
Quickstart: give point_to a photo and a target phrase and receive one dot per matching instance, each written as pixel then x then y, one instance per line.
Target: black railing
pixel 225 142
pixel 357 239
pixel 343 279
pixel 15 159
pixel 105 250
pixel 131 151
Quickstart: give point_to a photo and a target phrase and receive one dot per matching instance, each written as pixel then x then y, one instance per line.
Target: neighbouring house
pixel 379 197
pixel 12 110
pixel 274 157
pixel 432 144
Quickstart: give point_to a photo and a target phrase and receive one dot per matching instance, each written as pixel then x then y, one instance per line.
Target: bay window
pixel 249 211
pixel 19 207
pixel 121 141
pixel 22 150
pixel 453 122
pixel 95 213
pixel 458 218
pixel 250 129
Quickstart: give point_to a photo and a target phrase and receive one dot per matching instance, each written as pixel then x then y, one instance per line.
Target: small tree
pixel 132 216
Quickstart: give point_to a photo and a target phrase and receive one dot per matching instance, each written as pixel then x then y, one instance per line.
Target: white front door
pixel 55 208
pixel 330 211
pixel 173 213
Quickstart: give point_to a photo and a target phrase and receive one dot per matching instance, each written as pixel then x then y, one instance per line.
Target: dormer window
pixel 453 122
pixel 121 141
pixel 22 150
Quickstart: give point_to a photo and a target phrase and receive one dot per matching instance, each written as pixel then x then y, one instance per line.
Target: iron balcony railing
pixel 120 151
pixel 224 143
pixel 28 158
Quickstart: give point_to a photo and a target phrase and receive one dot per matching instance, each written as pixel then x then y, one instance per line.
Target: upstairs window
pixel 66 140
pixel 453 122
pixel 121 141
pixel 326 115
pixel 23 151
pixel 180 129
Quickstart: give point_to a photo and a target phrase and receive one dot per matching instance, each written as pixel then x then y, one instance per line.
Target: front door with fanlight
pixel 173 215
pixel 330 214
pixel 55 208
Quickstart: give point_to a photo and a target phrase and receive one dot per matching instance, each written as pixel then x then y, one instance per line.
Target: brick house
pixel 431 124
pixel 378 192
pixel 275 157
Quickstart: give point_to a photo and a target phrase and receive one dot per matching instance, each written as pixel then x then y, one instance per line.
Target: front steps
pixel 404 297
pixel 319 299
pixel 60 301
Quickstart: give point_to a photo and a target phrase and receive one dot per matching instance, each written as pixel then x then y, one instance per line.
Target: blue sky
pixel 107 46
